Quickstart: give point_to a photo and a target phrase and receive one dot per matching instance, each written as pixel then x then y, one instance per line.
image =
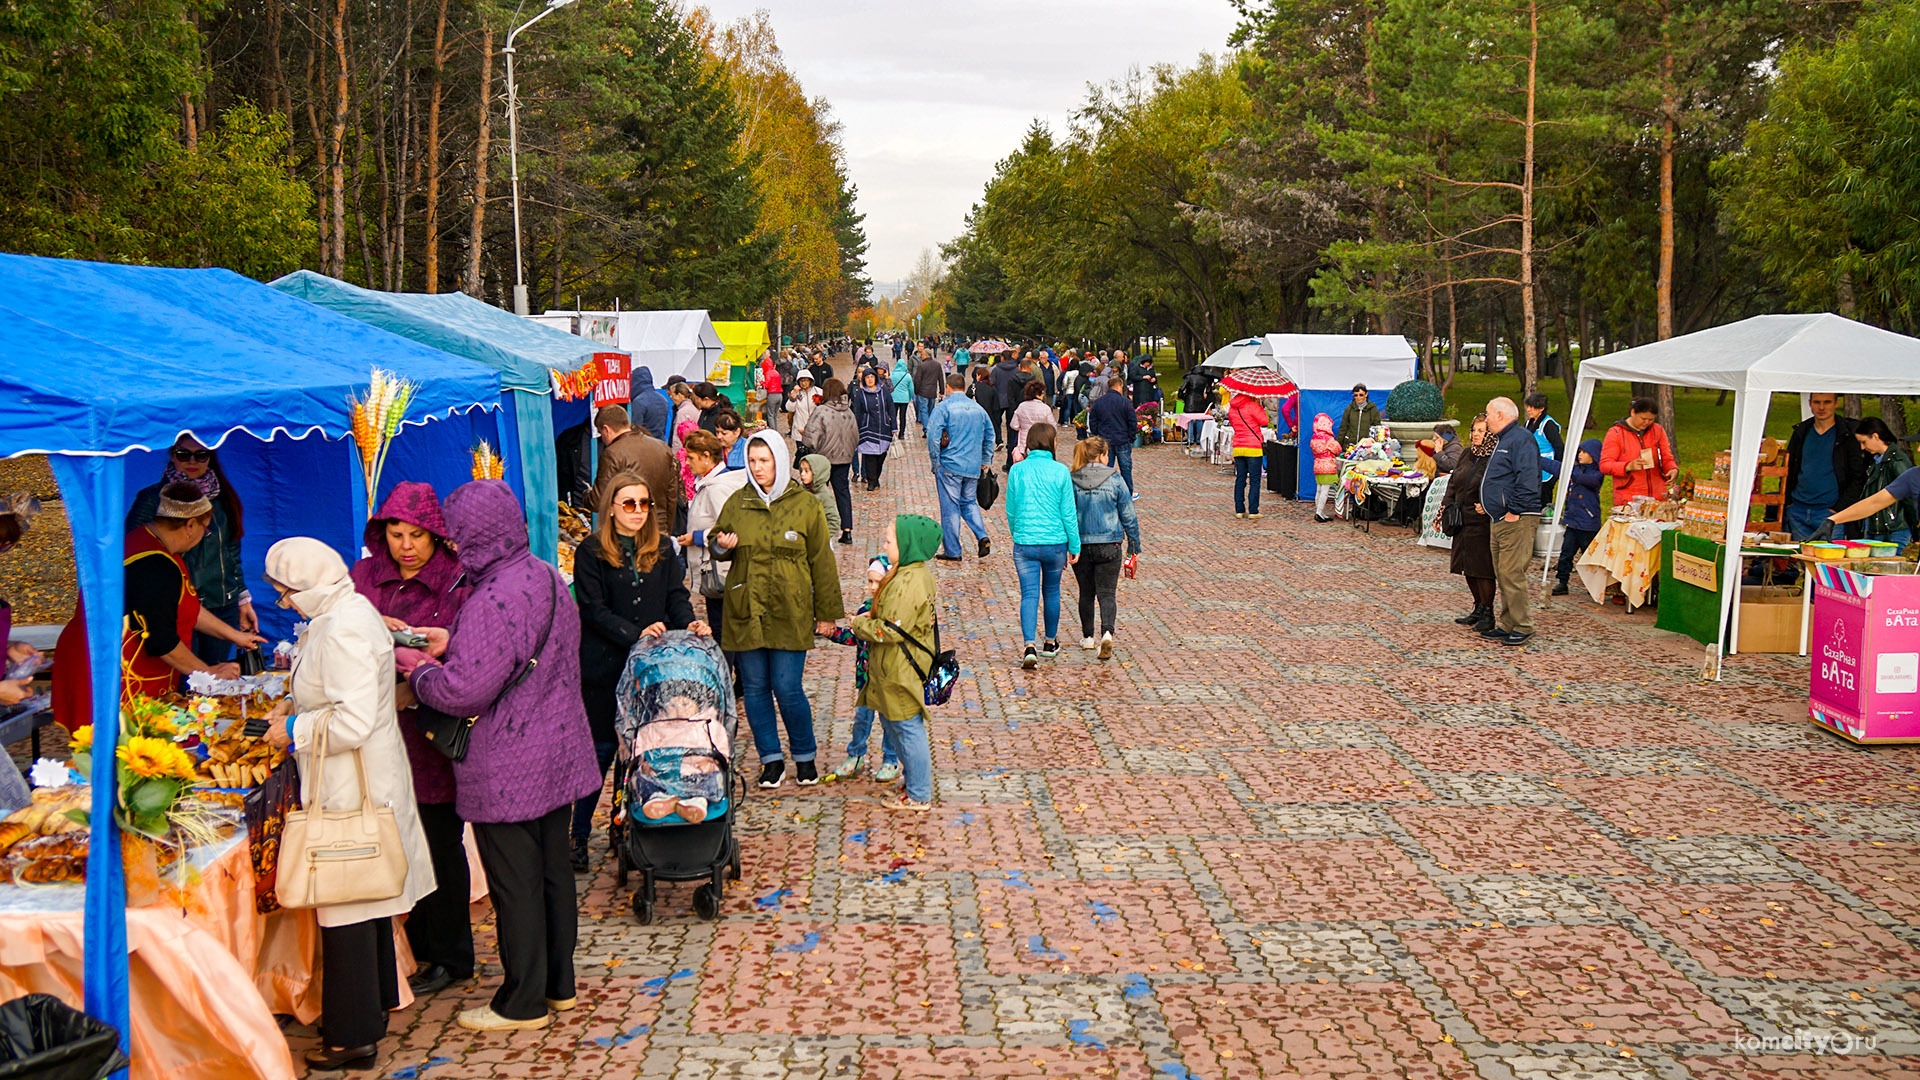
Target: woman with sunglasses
pixel 629 585
pixel 226 608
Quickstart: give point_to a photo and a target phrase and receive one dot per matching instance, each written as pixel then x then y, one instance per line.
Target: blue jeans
pixel 958 503
pixel 863 719
pixel 766 674
pixel 1120 456
pixel 1039 567
pixel 1802 521
pixel 906 742
pixel 921 407
pixel 583 806
pixel 1902 537
pixel 1246 484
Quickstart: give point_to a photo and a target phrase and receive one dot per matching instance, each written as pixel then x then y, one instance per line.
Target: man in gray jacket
pixel 929 377
pixel 1510 495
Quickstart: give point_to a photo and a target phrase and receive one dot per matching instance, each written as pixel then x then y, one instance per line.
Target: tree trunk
pixel 336 145
pixel 319 158
pixel 433 151
pixel 1893 409
pixel 1851 406
pixel 1663 296
pixel 1530 369
pixel 478 227
pixel 1453 326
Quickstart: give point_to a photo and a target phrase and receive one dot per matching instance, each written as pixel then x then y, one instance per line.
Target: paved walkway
pixel 1302 825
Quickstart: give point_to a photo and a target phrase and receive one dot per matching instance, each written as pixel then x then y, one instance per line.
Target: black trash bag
pixel 41 1038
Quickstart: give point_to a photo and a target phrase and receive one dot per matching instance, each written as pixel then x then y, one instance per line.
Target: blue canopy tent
pixel 1326 367
pixel 106 363
pixel 521 350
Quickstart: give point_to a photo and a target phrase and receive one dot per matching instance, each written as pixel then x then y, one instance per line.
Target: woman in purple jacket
pixel 415 581
pixel 512 662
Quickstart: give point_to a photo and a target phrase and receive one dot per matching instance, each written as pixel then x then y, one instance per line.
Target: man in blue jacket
pixel 1111 417
pixel 960 441
pixel 1510 495
pixel 651 411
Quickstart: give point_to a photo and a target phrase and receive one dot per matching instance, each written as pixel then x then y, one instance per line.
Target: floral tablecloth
pixel 1627 553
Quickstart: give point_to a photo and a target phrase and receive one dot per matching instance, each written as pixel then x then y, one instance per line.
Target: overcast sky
pixel 931 93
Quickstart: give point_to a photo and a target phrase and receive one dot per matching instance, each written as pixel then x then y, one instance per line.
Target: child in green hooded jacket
pixel 815 475
pixel 896 682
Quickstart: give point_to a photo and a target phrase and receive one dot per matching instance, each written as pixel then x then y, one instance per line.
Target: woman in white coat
pixel 343 684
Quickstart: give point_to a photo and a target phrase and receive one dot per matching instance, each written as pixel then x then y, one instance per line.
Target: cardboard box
pixel 1769 619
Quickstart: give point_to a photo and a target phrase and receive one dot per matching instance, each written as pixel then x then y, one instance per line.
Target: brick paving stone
pixel 1588 725
pixel 1497 840
pixel 1182 727
pixel 1886 875
pixel 1110 804
pixel 1048 925
pixel 1323 881
pixel 1566 984
pixel 1826 776
pixel 1505 749
pixel 810 978
pixel 1681 806
pixel 1330 775
pixel 1861 1066
pixel 1785 930
pixel 1270 699
pixel 1241 1031
pixel 1003 1063
pixel 982 746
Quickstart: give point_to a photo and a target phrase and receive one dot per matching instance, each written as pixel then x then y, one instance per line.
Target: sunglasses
pixel 192 455
pixel 634 506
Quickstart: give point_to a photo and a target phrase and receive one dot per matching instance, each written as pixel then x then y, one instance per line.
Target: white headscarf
pixel 782 464
pixel 313 571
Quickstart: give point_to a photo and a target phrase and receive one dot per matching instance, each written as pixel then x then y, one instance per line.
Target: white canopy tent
pixel 1755 359
pixel 667 343
pixel 1338 361
pixel 1245 353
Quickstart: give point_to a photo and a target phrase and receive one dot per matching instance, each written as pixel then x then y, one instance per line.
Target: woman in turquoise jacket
pixel 1045 522
pixel 902 379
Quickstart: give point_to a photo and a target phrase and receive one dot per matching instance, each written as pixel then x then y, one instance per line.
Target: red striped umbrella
pixel 1258 381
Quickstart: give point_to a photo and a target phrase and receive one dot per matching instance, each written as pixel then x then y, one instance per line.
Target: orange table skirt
pixel 205 981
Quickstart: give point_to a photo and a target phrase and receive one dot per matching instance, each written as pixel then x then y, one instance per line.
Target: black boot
pixel 1470 617
pixel 1485 622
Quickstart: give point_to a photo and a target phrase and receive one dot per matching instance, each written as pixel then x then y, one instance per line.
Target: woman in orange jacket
pixel 1247 418
pixel 1637 455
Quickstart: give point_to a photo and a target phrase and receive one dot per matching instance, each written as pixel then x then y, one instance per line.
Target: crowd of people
pixel 450 615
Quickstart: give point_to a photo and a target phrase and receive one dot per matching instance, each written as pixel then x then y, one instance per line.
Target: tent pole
pixel 1749 420
pixel 94 489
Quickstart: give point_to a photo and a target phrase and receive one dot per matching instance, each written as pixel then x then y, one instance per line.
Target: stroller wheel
pixel 642 909
pixel 706 901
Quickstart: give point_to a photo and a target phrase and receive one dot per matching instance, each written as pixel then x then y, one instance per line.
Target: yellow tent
pixel 745 341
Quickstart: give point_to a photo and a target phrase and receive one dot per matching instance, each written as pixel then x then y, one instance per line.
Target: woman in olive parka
pixel 782 587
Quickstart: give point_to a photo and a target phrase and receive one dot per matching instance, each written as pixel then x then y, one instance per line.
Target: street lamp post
pixel 513 156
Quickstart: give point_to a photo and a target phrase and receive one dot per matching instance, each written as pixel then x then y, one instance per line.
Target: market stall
pixel 106 360
pixel 667 343
pixel 1327 366
pixel 1755 359
pixel 524 354
pixel 745 342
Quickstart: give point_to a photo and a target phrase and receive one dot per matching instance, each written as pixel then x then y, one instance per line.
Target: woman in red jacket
pixel 1248 419
pixel 1637 455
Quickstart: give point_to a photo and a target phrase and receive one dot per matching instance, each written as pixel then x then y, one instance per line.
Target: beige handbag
pixel 332 857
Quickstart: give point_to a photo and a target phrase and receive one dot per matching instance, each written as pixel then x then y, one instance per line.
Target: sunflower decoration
pixel 152 758
pixel 82 739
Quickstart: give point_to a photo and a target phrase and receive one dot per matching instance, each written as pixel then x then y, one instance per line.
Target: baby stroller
pixel 675 786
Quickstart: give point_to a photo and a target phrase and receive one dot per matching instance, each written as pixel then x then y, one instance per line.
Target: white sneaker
pixel 1087 643
pixel 485 1019
pixel 1106 646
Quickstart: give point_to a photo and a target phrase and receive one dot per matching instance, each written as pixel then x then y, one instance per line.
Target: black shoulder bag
pixel 937 681
pixel 450 734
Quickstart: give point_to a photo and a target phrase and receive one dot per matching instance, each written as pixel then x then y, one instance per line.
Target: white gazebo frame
pixel 1754 359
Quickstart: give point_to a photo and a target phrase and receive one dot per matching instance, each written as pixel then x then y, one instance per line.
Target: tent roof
pixel 522 351
pixel 1821 353
pixel 1337 361
pixel 682 342
pixel 745 335
pixel 103 359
